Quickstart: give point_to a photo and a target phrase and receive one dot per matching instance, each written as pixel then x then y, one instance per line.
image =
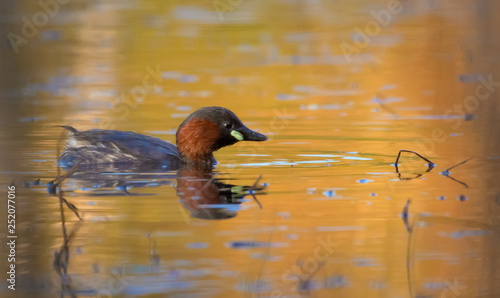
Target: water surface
pixel 338 98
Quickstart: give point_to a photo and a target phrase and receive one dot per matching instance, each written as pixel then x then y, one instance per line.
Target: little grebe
pixel 199 135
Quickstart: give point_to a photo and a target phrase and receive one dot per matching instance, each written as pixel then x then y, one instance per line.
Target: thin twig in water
pixel 405 215
pixel 447 171
pixel 61 264
pixel 410 251
pixel 409 178
pixel 60 179
pixel 252 192
pixel 430 164
pixel 57 261
pixel 463 183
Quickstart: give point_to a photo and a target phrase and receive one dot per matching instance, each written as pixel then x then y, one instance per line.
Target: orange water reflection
pixel 330 223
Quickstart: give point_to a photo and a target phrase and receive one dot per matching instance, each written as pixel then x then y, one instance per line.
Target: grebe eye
pixel 228 125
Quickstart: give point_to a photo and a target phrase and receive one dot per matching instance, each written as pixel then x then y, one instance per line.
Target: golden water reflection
pixel 330 223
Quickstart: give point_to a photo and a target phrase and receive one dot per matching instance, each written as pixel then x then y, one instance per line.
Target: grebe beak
pixel 245 134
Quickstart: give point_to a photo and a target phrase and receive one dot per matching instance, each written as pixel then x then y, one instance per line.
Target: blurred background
pixel 339 87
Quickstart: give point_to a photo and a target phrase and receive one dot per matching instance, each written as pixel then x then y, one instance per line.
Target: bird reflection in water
pixel 207 197
pixel 200 192
pixel 61 258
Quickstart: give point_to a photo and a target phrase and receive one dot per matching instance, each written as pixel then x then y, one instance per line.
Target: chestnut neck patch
pixel 196 139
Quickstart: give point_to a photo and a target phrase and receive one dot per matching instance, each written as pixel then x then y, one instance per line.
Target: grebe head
pixel 209 129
